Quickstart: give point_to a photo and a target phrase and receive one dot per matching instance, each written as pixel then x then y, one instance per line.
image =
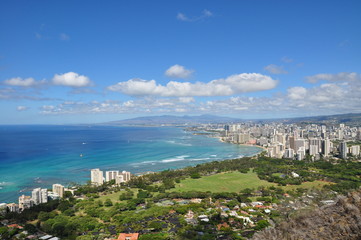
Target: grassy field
pixel 314 184
pixel 115 196
pixel 222 182
pixel 234 182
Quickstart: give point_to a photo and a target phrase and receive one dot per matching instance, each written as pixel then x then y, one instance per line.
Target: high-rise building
pixel 299 143
pixel 39 195
pixel 110 175
pixel 289 153
pixel 301 153
pixel 314 150
pixel 126 175
pixel 58 189
pixel 119 179
pixel 291 139
pixel 281 138
pixel 25 202
pixel 355 150
pixel 97 177
pixel 340 134
pixel 36 195
pixel 13 207
pixel 326 147
pixel 44 195
pixel 343 150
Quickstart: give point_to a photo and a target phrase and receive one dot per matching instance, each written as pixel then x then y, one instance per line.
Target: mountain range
pixel 349 119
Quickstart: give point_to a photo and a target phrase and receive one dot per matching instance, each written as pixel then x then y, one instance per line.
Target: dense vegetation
pixel 146 204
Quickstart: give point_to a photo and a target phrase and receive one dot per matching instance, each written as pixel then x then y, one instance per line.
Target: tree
pixel 261 224
pixel 195 175
pixel 108 203
pixel 30 228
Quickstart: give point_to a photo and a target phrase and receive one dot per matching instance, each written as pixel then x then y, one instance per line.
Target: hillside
pixel 351 119
pixel 339 221
pixel 174 120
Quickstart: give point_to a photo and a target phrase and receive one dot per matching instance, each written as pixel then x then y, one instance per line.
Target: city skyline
pixel 89 62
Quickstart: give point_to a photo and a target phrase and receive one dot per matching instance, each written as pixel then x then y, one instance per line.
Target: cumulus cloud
pixel 338 77
pixel 234 84
pixel 23 82
pixel 328 98
pixel 21 108
pixel 275 69
pixel 71 79
pixel 178 71
pixel 296 93
pixel 205 14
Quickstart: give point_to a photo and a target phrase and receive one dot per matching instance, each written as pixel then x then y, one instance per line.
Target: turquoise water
pixel 39 156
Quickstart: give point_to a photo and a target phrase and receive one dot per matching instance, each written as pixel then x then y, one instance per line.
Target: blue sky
pixel 96 61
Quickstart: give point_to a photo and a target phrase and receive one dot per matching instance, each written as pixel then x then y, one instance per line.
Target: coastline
pixel 164 149
pixel 242 144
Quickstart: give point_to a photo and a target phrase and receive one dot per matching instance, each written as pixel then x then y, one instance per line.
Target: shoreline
pixel 12 196
pixel 242 144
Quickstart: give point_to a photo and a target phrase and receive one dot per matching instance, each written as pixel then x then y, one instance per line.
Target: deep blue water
pixel 39 156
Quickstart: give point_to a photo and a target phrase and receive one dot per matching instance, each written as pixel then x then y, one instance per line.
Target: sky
pixel 90 61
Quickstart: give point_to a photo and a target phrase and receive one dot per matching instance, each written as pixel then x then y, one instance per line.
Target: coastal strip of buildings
pixel 297 142
pixel 43 195
pixel 97 176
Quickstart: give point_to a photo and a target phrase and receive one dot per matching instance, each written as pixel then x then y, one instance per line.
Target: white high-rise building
pixel 119 179
pixel 313 150
pixel 44 195
pixel 39 195
pixel 13 207
pixel 58 189
pixel 36 195
pixel 126 175
pixel 110 175
pixel 97 177
pixel 25 202
pixel 301 153
pixel 355 150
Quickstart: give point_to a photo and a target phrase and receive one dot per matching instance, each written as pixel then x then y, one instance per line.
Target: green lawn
pixel 222 182
pixel 314 184
pixel 234 182
pixel 115 196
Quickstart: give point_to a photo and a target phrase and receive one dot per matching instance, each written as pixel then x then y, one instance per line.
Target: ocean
pixel 39 155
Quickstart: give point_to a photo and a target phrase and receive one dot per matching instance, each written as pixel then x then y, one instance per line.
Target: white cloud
pixel 342 76
pixel 275 69
pixel 234 84
pixel 20 82
pixel 329 98
pixel 296 93
pixel 178 71
pixel 64 37
pixel 205 14
pixel 21 108
pixel 71 79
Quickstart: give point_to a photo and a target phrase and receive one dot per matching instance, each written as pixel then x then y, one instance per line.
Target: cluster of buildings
pixel 38 196
pixel 97 176
pixel 295 141
pixel 42 195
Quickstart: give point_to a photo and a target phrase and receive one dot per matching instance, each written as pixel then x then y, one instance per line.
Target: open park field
pixel 234 182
